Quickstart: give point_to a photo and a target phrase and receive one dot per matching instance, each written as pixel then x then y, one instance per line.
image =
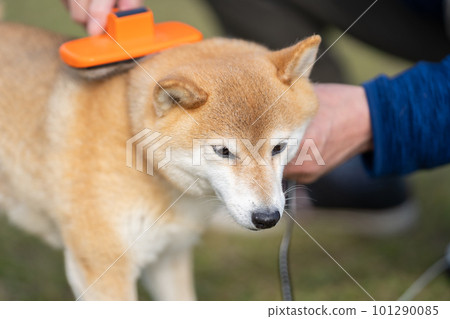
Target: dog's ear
pixel 177 91
pixel 296 61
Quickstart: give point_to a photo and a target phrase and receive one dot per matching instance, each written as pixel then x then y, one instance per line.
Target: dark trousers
pixel 393 26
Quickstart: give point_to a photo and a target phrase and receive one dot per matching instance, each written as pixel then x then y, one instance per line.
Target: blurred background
pixel 239 265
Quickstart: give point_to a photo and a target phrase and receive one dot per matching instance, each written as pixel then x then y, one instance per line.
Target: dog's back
pixel 56 127
pixel 28 67
pixel 27 56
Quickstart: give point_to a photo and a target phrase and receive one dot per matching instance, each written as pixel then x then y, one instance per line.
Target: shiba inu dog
pixel 63 173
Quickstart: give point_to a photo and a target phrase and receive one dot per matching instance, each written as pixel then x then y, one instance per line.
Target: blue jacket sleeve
pixel 410 117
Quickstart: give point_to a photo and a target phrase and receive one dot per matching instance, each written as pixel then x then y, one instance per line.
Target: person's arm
pixel 410 116
pixel 400 124
pixel 92 13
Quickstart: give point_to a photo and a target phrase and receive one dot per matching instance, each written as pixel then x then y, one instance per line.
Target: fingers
pixel 305 174
pixel 98 11
pixel 93 13
pixel 130 4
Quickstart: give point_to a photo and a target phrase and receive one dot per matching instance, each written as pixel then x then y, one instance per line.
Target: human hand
pixel 93 13
pixel 341 129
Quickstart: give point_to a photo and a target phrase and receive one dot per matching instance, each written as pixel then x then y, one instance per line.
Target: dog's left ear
pixel 296 61
pixel 177 91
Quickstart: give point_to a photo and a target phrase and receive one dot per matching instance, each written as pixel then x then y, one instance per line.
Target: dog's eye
pixel 223 151
pixel 278 149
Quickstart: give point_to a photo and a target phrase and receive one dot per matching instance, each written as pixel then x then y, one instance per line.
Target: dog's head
pixel 235 112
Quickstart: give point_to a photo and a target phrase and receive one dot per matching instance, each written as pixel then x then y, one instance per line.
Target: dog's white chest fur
pixel 175 229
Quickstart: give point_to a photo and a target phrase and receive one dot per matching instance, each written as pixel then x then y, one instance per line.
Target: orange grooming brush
pixel 129 34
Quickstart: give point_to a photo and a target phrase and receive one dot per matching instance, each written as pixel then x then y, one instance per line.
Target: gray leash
pixel 431 273
pixel 283 257
pixel 285 279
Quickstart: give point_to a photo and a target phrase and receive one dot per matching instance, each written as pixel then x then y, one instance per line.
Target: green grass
pixel 244 267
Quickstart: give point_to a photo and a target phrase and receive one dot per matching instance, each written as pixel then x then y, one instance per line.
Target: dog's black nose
pixel 265 219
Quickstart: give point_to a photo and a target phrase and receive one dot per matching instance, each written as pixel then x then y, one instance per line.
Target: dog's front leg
pixel 171 276
pixel 96 266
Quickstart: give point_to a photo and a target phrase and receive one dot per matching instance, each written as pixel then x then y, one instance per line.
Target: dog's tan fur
pixel 62 150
